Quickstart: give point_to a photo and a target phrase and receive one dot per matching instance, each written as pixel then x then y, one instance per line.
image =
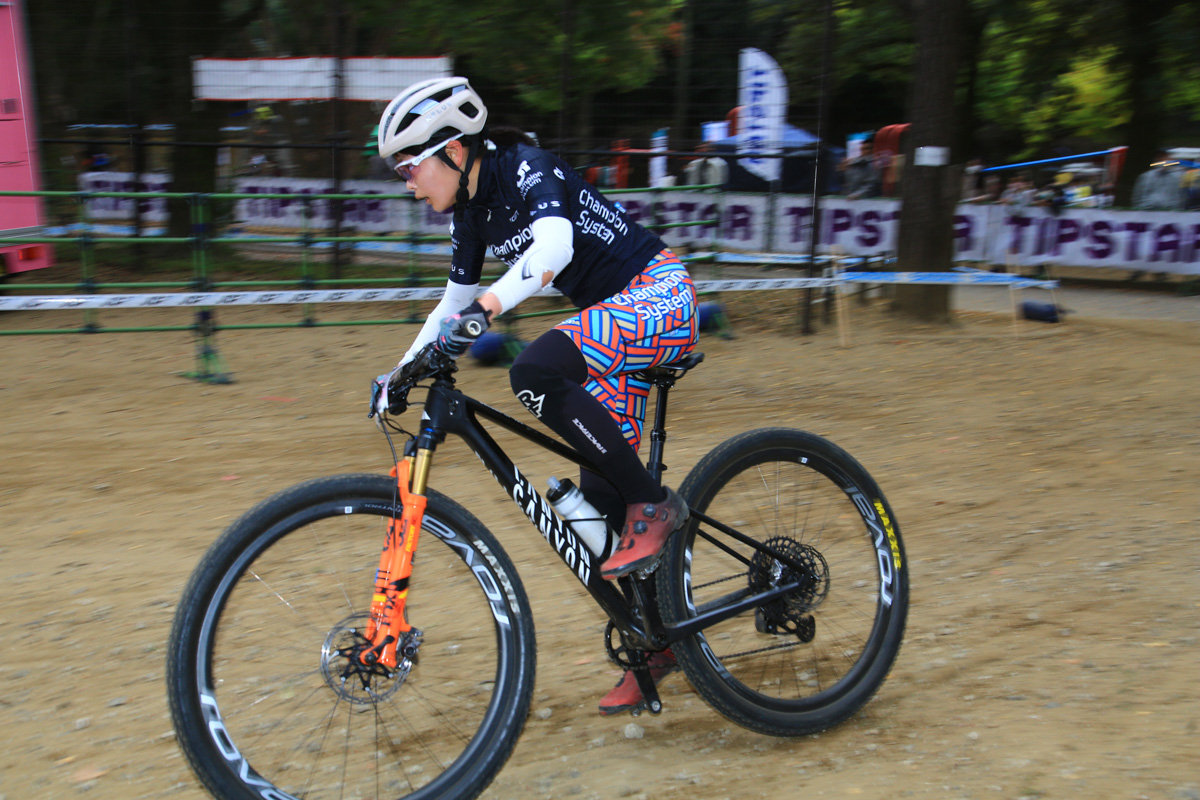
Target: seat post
pixel 658 435
pixel 663 377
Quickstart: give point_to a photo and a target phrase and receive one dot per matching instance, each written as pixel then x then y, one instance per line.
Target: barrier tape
pixel 218 299
pixel 198 299
pixel 948 279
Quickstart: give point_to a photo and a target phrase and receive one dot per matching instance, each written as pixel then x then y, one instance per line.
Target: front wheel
pixel 811 658
pixel 268 701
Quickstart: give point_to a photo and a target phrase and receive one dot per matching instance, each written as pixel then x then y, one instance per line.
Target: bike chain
pixel 617 654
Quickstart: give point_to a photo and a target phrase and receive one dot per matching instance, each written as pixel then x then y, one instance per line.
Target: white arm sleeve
pixel 456 298
pixel 551 252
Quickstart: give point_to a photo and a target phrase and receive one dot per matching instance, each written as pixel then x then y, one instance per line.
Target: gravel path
pixel 1105 303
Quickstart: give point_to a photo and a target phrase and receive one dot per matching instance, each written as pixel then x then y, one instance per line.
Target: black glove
pixel 459 331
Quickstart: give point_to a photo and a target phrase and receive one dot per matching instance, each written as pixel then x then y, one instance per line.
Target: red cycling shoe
pixel 647 528
pixel 626 695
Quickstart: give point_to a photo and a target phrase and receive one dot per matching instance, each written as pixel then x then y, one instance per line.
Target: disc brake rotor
pixel 355 681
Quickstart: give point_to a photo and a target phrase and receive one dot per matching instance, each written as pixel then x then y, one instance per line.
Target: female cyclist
pixel 549 225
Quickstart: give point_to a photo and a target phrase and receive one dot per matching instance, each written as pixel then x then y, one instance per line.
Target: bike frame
pixel 449 411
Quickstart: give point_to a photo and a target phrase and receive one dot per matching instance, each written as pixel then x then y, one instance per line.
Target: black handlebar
pixel 430 362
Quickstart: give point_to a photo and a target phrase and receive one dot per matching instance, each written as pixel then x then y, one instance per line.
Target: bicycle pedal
pixel 643 574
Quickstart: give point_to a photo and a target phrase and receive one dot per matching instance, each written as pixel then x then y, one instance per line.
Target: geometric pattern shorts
pixel 652 321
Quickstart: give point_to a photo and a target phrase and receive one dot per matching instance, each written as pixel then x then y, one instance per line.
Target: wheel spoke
pixel 808 654
pixel 283 632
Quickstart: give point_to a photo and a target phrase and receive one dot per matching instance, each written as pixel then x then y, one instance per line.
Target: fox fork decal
pixel 387 623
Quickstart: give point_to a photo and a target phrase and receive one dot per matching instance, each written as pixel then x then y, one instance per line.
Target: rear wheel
pixel 268 703
pixel 810 659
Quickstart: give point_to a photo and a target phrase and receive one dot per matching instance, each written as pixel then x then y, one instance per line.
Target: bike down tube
pixel 455 413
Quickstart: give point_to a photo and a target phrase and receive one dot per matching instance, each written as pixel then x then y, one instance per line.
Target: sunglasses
pixel 406 163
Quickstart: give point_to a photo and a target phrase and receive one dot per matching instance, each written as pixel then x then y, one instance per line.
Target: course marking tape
pixel 218 299
pixel 199 299
pixel 947 279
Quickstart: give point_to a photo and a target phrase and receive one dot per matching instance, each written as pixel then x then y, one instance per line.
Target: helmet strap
pixel 464 177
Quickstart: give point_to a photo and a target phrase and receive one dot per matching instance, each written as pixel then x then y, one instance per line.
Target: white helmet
pixel 429 112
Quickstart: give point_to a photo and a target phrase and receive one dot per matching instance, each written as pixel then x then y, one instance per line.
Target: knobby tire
pixel 830 645
pixel 255 679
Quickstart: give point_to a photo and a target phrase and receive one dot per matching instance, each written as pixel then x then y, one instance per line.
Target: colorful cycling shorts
pixel 651 321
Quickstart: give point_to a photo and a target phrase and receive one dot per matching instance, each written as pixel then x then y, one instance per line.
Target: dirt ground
pixel 1045 485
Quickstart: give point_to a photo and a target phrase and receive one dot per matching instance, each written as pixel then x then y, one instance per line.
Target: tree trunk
pixel 1141 47
pixel 193 169
pixel 929 189
pixel 194 28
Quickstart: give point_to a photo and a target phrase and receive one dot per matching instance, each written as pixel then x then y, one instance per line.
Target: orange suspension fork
pixel 387 624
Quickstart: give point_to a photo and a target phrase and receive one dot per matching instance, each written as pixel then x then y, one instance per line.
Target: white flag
pixel 763 97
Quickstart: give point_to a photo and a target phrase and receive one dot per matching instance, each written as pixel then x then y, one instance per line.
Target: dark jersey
pixel 520 184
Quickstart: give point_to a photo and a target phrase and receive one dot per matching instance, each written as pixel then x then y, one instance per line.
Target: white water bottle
pixel 584 519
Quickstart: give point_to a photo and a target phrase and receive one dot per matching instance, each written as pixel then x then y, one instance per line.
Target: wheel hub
pixel 789 614
pixel 343 668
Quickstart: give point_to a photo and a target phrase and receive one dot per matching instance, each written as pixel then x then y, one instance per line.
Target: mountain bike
pixel 304 663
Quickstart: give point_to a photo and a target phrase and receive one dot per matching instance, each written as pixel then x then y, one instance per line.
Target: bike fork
pixel 387 627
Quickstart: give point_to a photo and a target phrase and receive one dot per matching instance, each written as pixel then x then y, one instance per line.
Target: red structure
pixel 887 148
pixel 20 217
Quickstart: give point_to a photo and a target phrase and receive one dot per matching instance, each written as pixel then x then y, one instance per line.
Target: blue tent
pixel 797 174
pixel 792 137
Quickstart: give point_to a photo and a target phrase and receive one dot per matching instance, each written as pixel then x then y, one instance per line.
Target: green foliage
pixel 1180 65
pixel 873 47
pixel 617 44
pixel 1037 71
pixel 1084 101
pixel 1052 70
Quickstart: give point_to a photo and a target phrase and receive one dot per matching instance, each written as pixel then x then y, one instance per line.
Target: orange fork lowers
pixel 387 624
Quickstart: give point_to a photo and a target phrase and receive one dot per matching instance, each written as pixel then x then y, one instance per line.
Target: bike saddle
pixel 669 373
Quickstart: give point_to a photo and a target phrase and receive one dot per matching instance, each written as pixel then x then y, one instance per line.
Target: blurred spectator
pixel 893 171
pixel 972 181
pixel 861 177
pixel 706 170
pixel 259 164
pixel 1079 193
pixel 1104 195
pixel 95 159
pixel 1018 195
pixel 1160 188
pixel 990 193
pixel 1191 188
pixel 991 189
pixel 378 168
pixel 1053 196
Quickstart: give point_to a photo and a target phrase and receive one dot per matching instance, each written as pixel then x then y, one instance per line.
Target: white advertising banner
pixel 375 216
pixel 743 217
pixel 301 78
pixel 1159 241
pixel 106 208
pixel 763 98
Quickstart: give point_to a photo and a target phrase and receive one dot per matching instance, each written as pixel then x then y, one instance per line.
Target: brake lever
pixel 428 361
pixel 377 389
